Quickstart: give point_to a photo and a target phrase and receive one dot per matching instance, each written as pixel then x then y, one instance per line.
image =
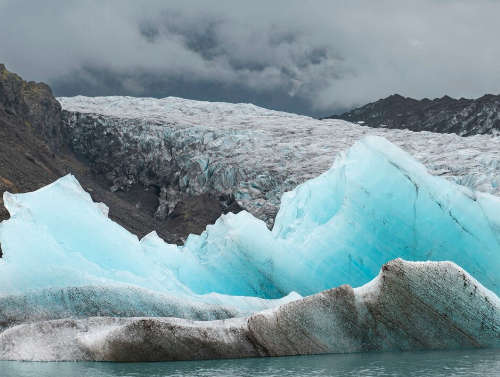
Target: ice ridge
pixel 375 204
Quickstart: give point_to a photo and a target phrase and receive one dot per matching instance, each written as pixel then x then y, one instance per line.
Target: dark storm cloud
pixel 311 57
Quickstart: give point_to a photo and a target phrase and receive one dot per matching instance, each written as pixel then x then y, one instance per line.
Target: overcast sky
pixel 309 57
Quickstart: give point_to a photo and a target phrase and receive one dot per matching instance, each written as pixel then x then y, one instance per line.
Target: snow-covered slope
pixel 187 147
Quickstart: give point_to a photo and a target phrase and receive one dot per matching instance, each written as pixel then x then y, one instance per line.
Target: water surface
pixel 484 362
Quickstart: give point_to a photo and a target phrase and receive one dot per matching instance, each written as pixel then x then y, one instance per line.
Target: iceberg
pixel 408 306
pixel 375 204
pixel 63 257
pixel 68 269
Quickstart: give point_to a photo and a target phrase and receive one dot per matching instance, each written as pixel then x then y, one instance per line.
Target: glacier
pixel 186 147
pixel 71 272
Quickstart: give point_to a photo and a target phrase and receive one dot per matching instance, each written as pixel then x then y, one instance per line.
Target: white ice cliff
pixel 190 147
pixel 65 261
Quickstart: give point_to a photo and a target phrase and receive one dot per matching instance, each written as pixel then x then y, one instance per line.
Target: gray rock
pixel 35 106
pixel 462 116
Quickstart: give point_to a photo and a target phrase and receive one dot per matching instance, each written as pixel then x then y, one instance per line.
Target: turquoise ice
pixel 375 204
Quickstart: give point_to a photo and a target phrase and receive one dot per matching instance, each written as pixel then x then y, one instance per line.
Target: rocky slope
pixel 242 152
pixel 409 306
pixel 462 116
pixel 33 105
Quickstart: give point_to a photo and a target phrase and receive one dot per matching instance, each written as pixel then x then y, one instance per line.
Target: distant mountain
pixel 462 116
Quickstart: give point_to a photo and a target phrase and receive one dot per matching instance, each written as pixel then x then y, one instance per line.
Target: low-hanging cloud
pixel 311 57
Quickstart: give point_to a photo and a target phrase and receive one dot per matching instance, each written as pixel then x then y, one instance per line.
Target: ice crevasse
pixel 375 204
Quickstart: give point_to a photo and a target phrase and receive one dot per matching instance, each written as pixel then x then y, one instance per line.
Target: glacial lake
pixel 485 362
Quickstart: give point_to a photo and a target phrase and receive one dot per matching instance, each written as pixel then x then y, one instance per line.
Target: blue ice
pixel 375 204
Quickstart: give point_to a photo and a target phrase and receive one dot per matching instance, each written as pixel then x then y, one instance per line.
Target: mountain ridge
pixel 464 117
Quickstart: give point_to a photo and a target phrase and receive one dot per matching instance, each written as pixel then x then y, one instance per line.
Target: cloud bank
pixel 310 57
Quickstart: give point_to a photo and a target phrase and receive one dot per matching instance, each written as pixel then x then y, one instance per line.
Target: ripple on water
pixel 484 362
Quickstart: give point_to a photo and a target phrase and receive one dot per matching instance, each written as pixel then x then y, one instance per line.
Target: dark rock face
pixel 34 106
pixel 192 213
pixel 462 116
pixel 44 114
